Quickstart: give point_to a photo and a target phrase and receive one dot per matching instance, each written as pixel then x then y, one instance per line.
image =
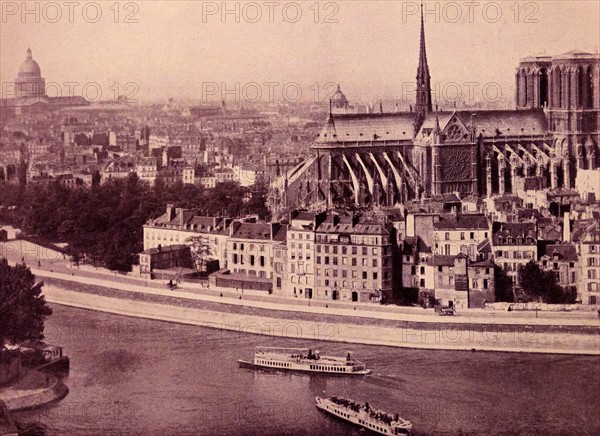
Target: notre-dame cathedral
pixel 389 158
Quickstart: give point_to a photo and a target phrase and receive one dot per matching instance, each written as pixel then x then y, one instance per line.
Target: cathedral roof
pixel 368 127
pixel 29 67
pixel 506 122
pixel 575 53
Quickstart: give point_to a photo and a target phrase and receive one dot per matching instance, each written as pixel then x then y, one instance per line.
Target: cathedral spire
pixel 423 103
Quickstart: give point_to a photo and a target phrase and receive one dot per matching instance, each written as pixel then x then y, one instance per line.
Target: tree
pixel 503 286
pixel 201 250
pixel 23 308
pixel 541 285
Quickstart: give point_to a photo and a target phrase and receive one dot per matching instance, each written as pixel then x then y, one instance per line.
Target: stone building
pixel 587 241
pixel 353 259
pixel 515 244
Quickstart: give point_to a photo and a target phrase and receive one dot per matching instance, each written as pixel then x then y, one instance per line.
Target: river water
pixel 135 376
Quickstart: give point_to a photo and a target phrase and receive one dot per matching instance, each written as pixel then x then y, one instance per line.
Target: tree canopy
pixel 541 285
pixel 104 223
pixel 23 308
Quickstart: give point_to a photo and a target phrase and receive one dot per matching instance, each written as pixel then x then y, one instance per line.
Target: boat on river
pixel 365 416
pixel 305 360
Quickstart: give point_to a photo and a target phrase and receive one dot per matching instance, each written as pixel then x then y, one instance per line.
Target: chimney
pixel 170 211
pixel 179 213
pixel 567 227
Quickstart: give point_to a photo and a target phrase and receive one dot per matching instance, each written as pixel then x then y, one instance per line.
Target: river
pixel 135 376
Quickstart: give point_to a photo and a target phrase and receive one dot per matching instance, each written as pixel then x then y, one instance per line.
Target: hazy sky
pixel 188 49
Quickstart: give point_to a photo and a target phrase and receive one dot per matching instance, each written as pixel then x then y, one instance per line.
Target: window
pixel 344 274
pixel 374 263
pixel 375 251
pixel 413 270
pixel 472 235
pixel 364 262
pixel 462 236
pixel 440 268
pixel 262 260
pixel 447 236
pixel 326 249
pixel 344 261
pixel 326 260
pixel 422 270
pixel 235 245
pixel 364 251
pixel 235 258
pixel 354 274
pixel 252 260
pixel 485 283
pixel 354 261
pixel 364 275
pixel 326 282
pixel 374 276
pixel 318 248
pixel 354 250
pixel 318 260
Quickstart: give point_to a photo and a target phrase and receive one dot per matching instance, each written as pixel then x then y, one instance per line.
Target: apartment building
pixel 514 245
pixel 587 242
pixel 353 259
pixel 178 226
pixel 460 233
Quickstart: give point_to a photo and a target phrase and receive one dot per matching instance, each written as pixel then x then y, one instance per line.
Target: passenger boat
pixel 304 359
pixel 363 415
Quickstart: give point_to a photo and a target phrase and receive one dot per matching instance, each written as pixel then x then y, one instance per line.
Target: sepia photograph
pixel 303 217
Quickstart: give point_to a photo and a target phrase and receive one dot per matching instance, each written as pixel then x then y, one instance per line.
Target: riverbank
pixel 33 390
pixel 479 329
pixel 351 327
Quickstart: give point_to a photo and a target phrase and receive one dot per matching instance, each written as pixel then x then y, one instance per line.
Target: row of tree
pixel 535 285
pixel 104 222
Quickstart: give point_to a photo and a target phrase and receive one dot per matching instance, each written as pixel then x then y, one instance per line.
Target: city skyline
pixel 380 63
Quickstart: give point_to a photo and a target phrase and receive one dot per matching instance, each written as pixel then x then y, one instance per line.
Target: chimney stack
pixel 567 227
pixel 170 212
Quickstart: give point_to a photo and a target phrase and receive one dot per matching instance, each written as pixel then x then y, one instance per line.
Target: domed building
pixel 29 93
pixel 29 82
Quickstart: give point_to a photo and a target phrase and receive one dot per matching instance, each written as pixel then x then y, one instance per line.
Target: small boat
pixel 364 416
pixel 306 360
